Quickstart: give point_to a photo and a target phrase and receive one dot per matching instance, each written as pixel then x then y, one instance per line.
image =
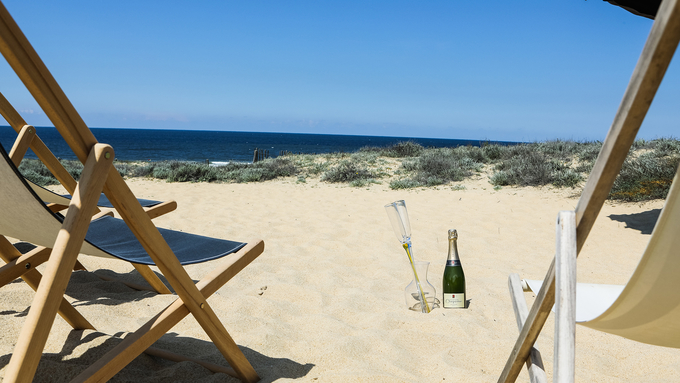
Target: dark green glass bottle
pixel 453 283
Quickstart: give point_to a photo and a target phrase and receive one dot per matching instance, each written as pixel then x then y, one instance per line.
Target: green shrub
pixel 347 171
pixel 405 183
pixel 403 149
pixel 566 178
pixel 664 147
pixel 589 151
pixel 534 168
pixel 177 171
pixel 492 152
pixel 647 177
pixel 36 172
pixel 436 167
pixel 193 172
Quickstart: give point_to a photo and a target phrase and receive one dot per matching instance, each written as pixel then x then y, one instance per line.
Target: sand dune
pixel 325 301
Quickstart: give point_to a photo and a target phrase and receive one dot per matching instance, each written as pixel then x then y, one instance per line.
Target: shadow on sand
pixel 83 348
pixel 644 222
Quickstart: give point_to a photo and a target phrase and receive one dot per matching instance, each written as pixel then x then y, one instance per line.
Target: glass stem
pixel 423 302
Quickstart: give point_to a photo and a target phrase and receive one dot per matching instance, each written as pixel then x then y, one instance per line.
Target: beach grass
pixel 646 174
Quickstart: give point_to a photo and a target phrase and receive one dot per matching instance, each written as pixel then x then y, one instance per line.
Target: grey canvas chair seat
pixel 106 236
pixel 112 236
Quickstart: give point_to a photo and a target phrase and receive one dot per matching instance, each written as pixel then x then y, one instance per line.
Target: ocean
pixel 218 146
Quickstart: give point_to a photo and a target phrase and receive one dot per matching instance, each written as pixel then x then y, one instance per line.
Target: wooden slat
pixel 136 343
pixel 565 298
pixel 160 209
pixel 21 144
pixel 55 207
pixel 36 329
pixel 538 314
pixel 534 361
pixel 22 264
pixel 32 278
pixel 102 214
pixel 649 71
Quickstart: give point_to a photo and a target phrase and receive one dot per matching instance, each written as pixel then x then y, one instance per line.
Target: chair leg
pixel 565 298
pixel 32 278
pixel 137 342
pixel 152 279
pixel 534 362
pixel 36 329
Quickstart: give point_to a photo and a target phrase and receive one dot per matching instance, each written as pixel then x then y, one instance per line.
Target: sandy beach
pixel 324 302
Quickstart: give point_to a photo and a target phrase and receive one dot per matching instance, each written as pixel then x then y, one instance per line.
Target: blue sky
pixel 499 70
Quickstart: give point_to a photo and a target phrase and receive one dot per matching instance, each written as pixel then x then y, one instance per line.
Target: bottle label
pixel 454 300
pixel 456 262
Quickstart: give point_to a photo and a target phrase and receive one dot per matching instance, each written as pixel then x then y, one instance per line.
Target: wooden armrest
pixel 55 207
pixel 21 145
pixel 160 209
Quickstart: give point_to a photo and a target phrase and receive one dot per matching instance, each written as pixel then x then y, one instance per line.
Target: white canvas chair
pixel 647 308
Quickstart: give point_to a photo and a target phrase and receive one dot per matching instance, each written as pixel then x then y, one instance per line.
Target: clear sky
pixel 496 69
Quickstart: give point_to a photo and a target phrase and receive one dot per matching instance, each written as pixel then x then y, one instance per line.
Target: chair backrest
pixel 23 215
pixel 648 308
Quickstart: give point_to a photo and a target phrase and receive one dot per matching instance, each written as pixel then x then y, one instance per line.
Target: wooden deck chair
pixel 99 175
pixel 573 228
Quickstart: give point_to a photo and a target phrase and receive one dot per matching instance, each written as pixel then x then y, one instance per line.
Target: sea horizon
pixel 133 144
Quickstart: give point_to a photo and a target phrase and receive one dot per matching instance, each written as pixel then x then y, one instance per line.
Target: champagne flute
pixel 402 228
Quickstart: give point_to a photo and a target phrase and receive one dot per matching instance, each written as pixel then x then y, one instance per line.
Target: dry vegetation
pixel 646 174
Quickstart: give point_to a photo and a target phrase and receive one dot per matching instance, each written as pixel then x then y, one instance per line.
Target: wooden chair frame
pixel 99 176
pixel 647 76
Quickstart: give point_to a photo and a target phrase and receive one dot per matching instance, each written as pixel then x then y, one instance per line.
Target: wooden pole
pixel 565 298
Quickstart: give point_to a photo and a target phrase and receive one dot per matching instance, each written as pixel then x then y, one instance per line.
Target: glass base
pixel 412 292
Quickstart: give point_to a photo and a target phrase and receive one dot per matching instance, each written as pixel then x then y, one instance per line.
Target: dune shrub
pixel 403 149
pixel 179 171
pixel 644 178
pixel 405 183
pixel 35 171
pixel 347 171
pixel 492 152
pixel 534 168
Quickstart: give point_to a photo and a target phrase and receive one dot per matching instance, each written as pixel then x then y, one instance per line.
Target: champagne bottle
pixel 453 283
